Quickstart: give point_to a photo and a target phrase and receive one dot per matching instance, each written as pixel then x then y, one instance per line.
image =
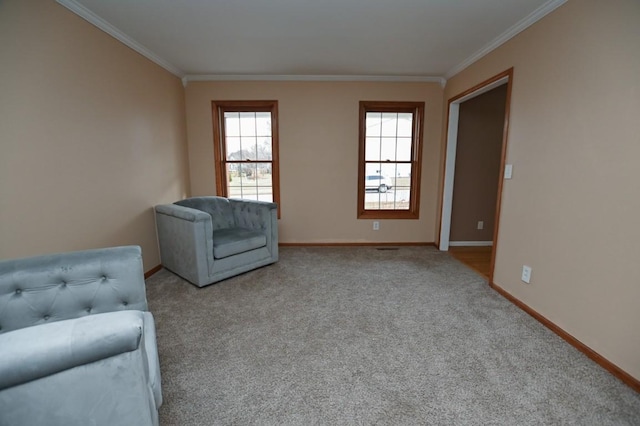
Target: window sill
pixel 387 214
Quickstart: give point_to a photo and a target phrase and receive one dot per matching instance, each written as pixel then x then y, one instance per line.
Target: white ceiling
pixel 375 38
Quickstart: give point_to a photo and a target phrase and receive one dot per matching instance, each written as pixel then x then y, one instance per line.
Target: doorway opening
pixel 485 246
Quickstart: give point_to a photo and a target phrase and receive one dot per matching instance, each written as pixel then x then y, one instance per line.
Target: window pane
pixel 247 124
pixel 264 150
pixel 233 148
pixel 234 180
pixel 249 189
pixel 372 123
pixel 388 170
pixel 263 124
pixel 250 181
pixel 403 186
pixel 387 186
pixel 405 124
pixel 372 149
pixel 232 123
pixel 266 196
pixel 403 170
pixel 250 171
pixel 403 152
pixel 233 174
pixel 402 196
pixel 372 201
pixel 264 181
pixel 263 175
pixel 249 147
pixel 388 149
pixel 389 121
pixel 373 169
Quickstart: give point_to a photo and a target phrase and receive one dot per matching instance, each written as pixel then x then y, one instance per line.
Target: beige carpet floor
pixel 359 336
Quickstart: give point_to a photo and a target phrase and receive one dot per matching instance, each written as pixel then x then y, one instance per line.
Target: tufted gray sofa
pixel 77 345
pixel 208 239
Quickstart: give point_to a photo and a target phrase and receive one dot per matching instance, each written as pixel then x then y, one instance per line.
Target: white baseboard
pixel 470 243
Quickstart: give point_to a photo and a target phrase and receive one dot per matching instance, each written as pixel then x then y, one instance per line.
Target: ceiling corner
pixel 516 29
pixel 105 26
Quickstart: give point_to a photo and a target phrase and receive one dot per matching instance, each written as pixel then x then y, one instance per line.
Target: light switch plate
pixel 508 171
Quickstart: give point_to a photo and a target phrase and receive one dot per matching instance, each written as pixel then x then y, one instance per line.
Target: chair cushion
pixel 230 241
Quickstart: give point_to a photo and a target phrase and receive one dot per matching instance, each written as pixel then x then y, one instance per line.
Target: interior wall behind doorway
pixel 477 170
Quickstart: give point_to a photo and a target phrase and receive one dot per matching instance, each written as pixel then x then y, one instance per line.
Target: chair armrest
pixel 185 237
pixel 34 352
pixel 180 212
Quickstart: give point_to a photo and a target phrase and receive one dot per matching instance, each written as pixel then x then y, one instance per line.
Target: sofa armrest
pixel 185 237
pixel 153 361
pixel 34 352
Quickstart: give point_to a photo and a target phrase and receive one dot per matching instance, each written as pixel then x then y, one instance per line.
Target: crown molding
pixel 306 77
pixel 520 26
pixel 105 26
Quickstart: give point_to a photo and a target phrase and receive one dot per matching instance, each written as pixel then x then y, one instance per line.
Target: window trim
pixel 218 109
pixel 417 109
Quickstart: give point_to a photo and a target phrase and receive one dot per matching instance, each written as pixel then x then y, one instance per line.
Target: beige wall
pixel 571 210
pixel 92 136
pixel 478 155
pixel 319 154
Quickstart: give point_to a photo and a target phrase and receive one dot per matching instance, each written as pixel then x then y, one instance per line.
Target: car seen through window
pixel 377 183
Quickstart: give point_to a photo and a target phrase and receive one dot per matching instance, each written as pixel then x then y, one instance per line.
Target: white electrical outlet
pixel 480 224
pixel 526 274
pixel 376 226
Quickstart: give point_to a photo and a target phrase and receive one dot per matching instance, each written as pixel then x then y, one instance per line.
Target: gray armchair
pixel 77 345
pixel 208 239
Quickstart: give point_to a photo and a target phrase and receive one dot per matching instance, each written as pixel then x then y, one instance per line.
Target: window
pixel 245 137
pixel 390 159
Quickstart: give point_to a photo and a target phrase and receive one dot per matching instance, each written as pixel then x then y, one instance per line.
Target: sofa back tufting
pixel 57 287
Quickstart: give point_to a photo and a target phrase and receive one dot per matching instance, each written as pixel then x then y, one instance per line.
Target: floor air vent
pixel 386 248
